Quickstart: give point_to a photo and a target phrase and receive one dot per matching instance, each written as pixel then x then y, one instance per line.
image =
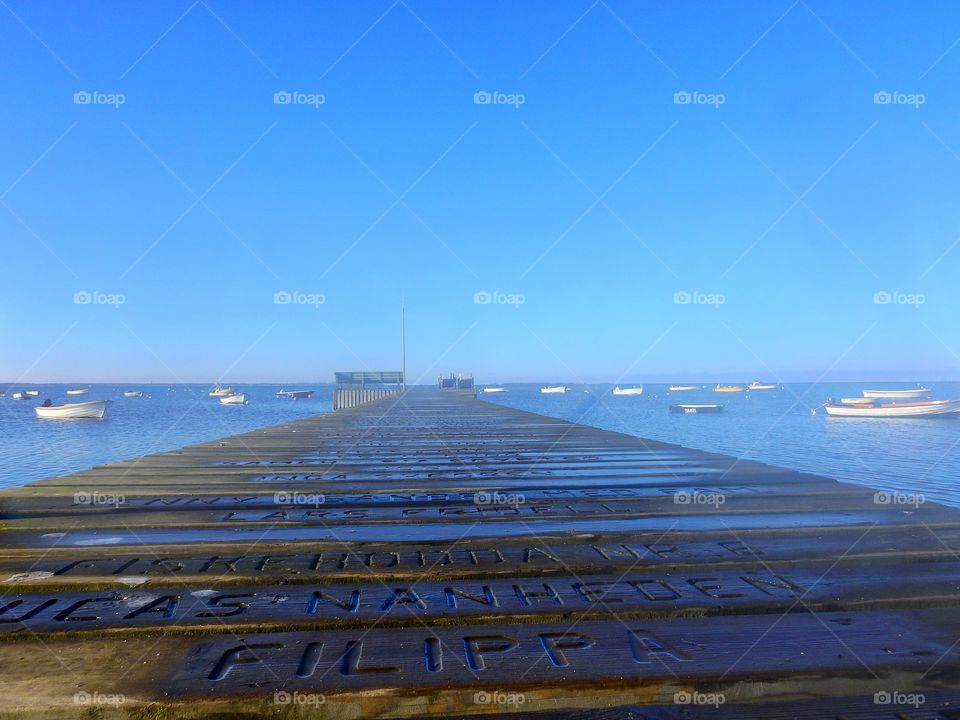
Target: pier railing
pixel 352 397
pixel 359 388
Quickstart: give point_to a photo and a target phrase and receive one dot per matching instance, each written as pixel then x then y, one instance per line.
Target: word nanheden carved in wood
pixel 42 612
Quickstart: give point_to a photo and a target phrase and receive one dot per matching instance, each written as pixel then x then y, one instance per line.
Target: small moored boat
pixel 628 391
pixel 897 394
pixel 554 389
pixel 684 388
pixel 730 388
pixel 32 393
pixel 926 408
pixel 296 394
pixel 20 396
pixel 220 391
pixel 689 409
pixel 133 393
pixel 78 391
pixel 757 385
pixel 235 399
pixel 92 410
pixel 494 389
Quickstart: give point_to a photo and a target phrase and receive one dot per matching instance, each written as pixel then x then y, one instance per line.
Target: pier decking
pixel 434 553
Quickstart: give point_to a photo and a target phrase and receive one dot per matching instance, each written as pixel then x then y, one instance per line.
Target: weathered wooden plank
pixel 753 588
pixel 309 508
pixel 443 532
pixel 69 499
pixel 608 552
pixel 645 661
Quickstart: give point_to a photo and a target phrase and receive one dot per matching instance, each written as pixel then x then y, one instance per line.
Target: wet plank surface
pixel 438 554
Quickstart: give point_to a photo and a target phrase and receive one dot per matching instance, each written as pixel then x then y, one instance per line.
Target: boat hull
pixel 763 387
pixel 628 391
pixel 236 399
pixel 688 409
pixel 897 394
pixel 936 408
pixel 133 393
pixel 729 389
pixel 494 390
pixel 77 392
pixel 554 390
pixel 32 393
pixel 296 394
pixel 92 410
pixel 683 388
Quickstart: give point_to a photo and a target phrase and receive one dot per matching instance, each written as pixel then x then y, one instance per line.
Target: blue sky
pixel 786 222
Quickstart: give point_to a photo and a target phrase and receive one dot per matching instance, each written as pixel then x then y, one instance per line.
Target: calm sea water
pixel 167 417
pixel 774 426
pixel 777 427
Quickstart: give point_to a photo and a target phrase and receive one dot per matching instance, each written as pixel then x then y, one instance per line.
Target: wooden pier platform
pixel 431 553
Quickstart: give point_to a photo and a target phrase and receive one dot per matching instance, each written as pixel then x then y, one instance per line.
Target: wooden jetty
pixel 431 553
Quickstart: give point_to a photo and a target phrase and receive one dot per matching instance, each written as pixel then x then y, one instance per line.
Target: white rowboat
pixel 915 409
pixel 235 399
pixel 554 389
pixel 32 393
pixel 494 389
pixel 757 385
pixel 78 391
pixel 683 388
pixel 897 394
pixel 628 391
pixel 133 393
pixel 93 410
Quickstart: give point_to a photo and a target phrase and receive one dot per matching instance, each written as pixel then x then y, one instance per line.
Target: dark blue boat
pixel 695 409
